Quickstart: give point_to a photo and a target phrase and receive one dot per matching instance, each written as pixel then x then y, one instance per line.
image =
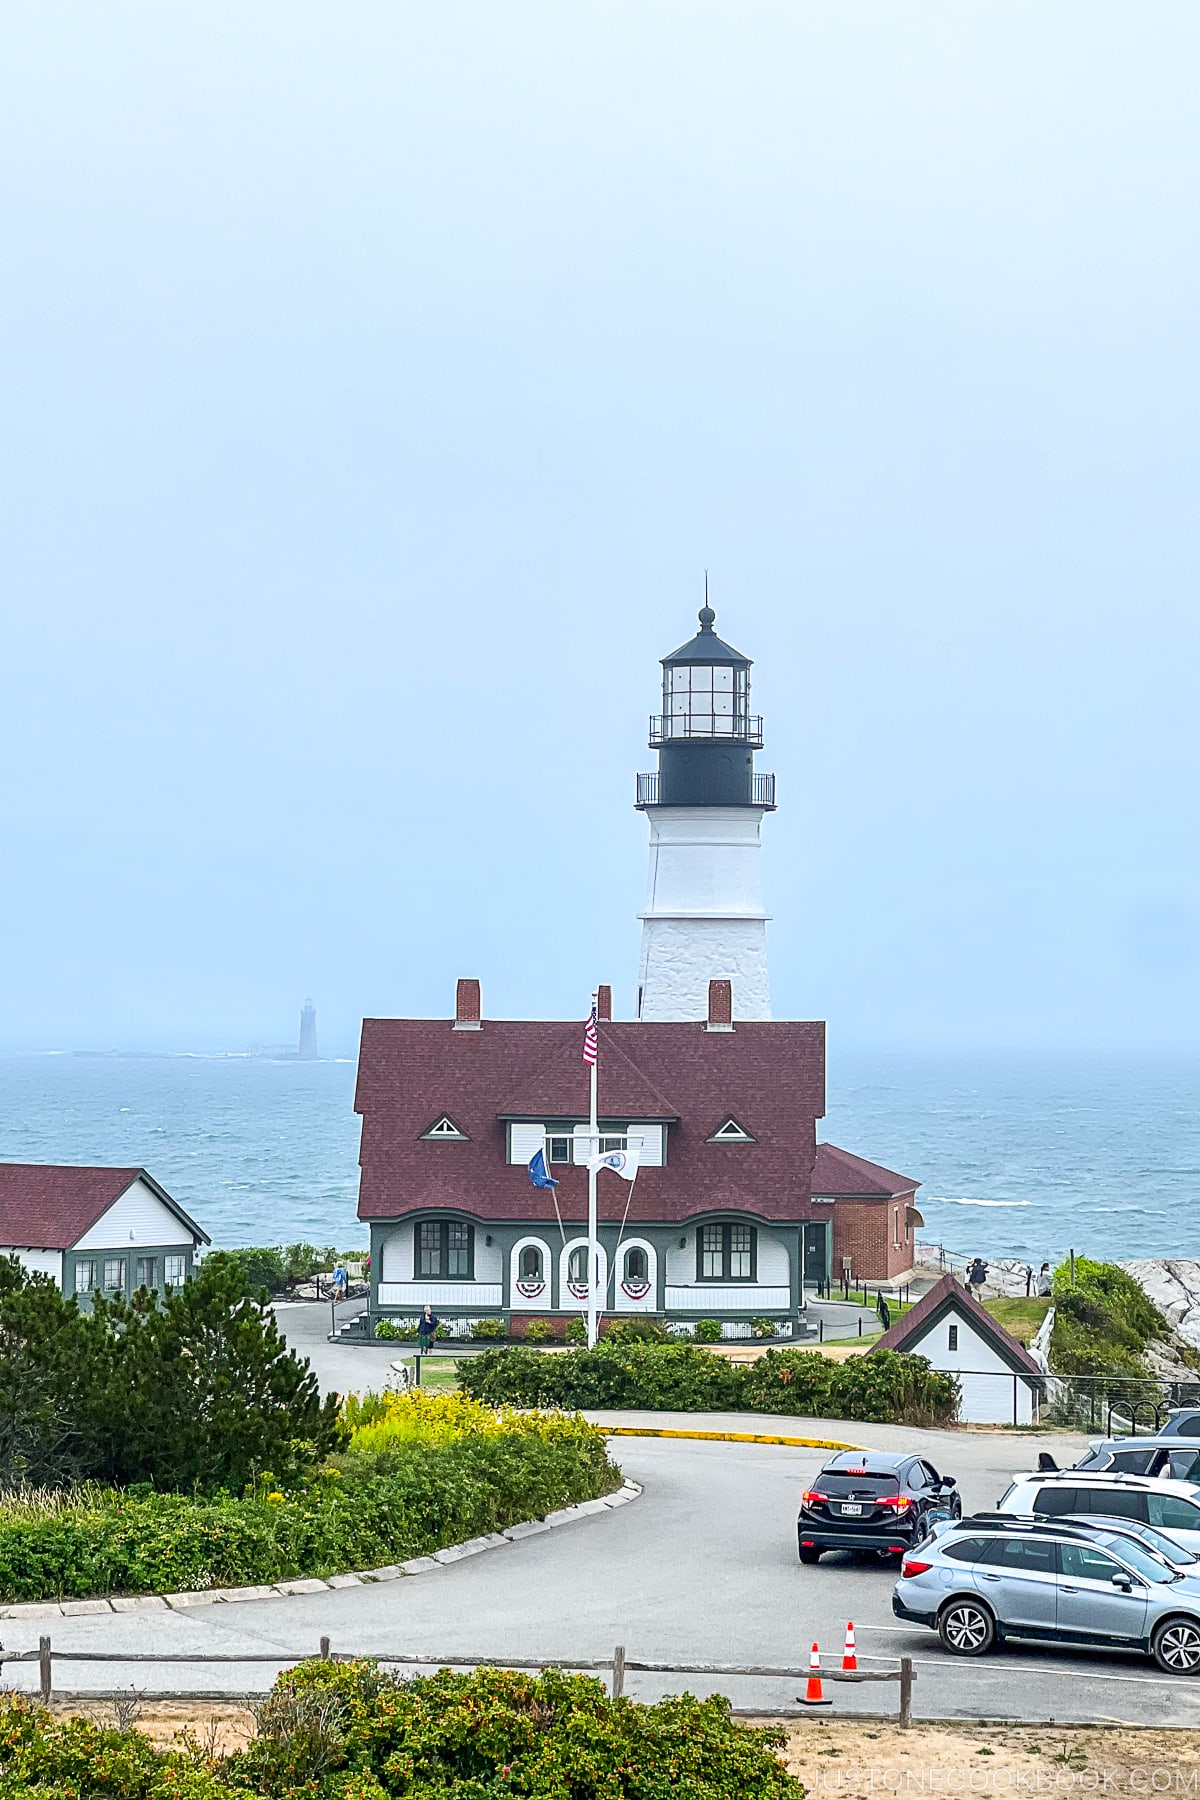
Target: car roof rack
pixel 1026 1522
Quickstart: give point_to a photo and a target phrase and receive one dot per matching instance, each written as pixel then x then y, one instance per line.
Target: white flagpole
pixel 593 1228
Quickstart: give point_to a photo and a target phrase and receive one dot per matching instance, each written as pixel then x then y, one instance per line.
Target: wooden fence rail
pixel 617 1666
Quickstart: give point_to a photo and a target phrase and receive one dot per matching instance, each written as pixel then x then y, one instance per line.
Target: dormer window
pixel 445 1131
pixel 731 1133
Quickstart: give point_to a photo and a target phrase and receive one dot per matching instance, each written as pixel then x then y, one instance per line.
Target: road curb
pixel 124 1604
pixel 727 1437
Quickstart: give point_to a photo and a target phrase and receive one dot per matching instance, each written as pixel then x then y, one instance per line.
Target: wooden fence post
pixel 324 1649
pixel 906 1681
pixel 618 1672
pixel 44 1669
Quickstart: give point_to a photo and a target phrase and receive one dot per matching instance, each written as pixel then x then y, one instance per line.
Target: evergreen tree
pixel 41 1351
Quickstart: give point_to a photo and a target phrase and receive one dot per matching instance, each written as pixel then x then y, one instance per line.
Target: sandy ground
pixel 856 1759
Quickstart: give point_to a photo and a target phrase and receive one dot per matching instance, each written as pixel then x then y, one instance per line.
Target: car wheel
pixel 966 1628
pixel 809 1555
pixel 1176 1647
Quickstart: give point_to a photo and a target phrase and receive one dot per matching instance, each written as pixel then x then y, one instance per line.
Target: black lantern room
pixel 706 735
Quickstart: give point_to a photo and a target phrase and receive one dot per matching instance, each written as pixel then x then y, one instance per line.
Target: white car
pixel 1170 1506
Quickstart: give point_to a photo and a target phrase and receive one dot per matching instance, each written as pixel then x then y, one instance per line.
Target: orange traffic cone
pixel 812 1695
pixel 849 1659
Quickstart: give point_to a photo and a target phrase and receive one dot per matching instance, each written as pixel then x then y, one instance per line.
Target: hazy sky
pixel 378 380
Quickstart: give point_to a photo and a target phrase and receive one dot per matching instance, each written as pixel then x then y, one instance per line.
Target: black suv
pixel 873 1500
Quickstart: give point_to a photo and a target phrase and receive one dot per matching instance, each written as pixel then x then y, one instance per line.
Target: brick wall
pixel 865 1231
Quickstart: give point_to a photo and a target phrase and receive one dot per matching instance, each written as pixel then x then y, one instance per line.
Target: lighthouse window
pixel 636 1266
pixel 726 1253
pixel 444 1250
pixel 703 700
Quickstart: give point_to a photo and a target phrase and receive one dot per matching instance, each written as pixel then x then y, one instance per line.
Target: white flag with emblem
pixel 622 1162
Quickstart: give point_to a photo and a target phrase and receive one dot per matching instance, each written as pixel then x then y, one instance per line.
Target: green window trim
pixel 726 1251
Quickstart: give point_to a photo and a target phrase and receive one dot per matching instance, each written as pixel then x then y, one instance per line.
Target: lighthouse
pixel 704 918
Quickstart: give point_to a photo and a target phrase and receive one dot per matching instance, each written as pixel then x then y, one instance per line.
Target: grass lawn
pixel 439 1374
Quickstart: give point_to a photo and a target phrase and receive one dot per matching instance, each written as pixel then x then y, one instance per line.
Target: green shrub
pixel 763 1328
pixel 348 1731
pixel 1103 1321
pixel 539 1331
pixel 494 1732
pixel 260 1268
pixel 892 1386
pixel 412 1495
pixel 673 1377
pixel 637 1330
pixel 790 1381
pixel 708 1331
pixel 576 1332
pixel 489 1329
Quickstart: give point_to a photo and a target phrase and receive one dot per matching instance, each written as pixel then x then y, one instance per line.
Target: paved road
pixel 702 1568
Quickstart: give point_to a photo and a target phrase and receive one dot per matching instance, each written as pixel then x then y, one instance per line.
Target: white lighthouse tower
pixel 704 916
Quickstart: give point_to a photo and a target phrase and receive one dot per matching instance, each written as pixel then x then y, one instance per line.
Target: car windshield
pixel 1149 1566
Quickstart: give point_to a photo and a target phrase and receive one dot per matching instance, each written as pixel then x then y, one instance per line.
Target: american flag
pixel 591 1048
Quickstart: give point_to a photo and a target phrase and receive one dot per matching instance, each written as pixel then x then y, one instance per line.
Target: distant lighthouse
pixel 704 916
pixel 308 1032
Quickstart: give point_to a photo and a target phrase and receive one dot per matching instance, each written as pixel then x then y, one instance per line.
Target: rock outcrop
pixel 1174 1287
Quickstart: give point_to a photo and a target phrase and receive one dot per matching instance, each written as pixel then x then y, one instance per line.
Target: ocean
pixel 1024 1157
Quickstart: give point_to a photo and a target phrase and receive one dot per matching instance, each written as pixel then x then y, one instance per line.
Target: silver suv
pixel 990 1578
pixel 1177 1459
pixel 1172 1506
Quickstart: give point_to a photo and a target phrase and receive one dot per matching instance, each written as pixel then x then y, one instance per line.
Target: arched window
pixel 637 1266
pixel 577 1268
pixel 531 1264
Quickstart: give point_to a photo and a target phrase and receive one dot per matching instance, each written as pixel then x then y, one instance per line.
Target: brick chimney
pixel 604 1003
pixel 467 1005
pixel 720 1005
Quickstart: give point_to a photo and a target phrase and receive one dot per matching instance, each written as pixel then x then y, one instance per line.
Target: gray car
pixel 987 1579
pixel 1175 1458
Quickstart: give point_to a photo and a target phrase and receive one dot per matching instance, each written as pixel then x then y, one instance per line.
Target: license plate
pixel 852 1512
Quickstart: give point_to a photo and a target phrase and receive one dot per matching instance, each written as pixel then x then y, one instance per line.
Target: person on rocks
pixel 1045 1282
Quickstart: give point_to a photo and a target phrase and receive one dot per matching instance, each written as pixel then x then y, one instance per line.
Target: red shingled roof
pixel 949 1295
pixel 49 1206
pixel 769 1075
pixel 843 1175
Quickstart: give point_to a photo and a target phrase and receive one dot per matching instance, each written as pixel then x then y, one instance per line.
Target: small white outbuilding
pixel 998 1379
pixel 96 1230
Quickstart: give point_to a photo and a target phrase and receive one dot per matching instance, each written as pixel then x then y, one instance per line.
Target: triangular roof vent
pixel 730 1133
pixel 445 1130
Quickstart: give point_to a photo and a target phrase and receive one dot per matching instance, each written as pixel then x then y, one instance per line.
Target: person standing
pixel 1028 1279
pixel 1045 1282
pixel 427 1326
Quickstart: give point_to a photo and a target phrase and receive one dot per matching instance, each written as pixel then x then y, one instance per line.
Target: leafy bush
pixel 616 1373
pixel 764 1328
pixel 637 1330
pixel 200 1391
pixel 396 1331
pixel 259 1269
pixel 1103 1321
pixel 708 1331
pixel 674 1377
pixel 576 1332
pixel 348 1731
pixel 463 1736
pixel 488 1329
pixel 791 1381
pixel 424 1472
pixel 539 1331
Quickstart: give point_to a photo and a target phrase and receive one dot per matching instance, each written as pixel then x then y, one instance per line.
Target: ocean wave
pixel 947 1200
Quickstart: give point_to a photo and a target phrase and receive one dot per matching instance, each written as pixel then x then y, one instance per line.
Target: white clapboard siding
pixel 728 1299
pixel 38 1262
pixel 651 1154
pixel 439 1293
pixel 138 1217
pixel 524 1142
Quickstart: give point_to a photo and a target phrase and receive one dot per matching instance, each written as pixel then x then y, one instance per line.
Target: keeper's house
pixel 719 1223
pixel 108 1231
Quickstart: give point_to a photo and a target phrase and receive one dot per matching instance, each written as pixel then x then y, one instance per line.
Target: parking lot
pixel 701 1569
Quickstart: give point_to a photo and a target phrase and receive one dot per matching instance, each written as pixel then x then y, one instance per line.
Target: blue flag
pixel 539 1174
